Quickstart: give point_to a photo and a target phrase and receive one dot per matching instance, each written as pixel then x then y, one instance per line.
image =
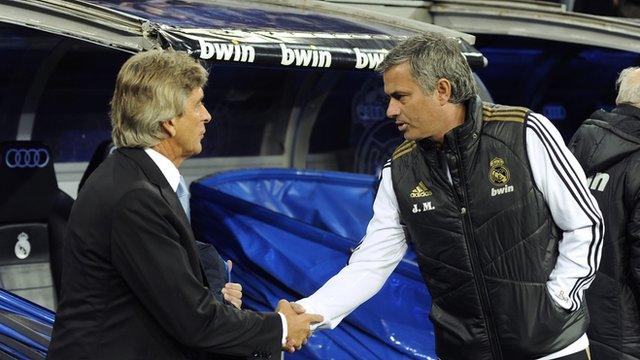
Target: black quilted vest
pixel 486 244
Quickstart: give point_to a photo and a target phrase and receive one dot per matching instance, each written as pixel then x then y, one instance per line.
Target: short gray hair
pixel 628 88
pixel 431 57
pixel 152 87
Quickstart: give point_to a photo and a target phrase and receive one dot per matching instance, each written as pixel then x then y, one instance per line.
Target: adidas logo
pixel 420 191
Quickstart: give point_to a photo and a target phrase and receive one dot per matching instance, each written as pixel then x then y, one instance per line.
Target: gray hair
pixel 431 57
pixel 152 87
pixel 628 87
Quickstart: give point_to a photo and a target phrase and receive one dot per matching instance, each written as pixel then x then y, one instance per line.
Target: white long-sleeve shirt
pixel 562 182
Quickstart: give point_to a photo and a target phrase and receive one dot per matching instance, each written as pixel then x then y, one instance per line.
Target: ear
pixel 169 127
pixel 443 91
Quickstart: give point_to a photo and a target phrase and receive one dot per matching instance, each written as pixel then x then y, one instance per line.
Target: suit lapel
pixel 155 176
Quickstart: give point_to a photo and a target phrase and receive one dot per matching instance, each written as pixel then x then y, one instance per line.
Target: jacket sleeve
pixel 146 251
pixel 633 226
pixel 561 180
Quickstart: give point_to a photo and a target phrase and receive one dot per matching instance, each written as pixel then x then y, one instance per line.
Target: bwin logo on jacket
pixel 499 175
pixel 598 181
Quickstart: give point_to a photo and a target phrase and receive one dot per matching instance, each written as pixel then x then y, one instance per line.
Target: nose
pixel 393 109
pixel 207 116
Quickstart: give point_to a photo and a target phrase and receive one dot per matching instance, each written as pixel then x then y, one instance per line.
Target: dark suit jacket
pixel 133 286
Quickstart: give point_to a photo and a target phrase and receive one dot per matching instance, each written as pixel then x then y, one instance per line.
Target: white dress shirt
pixel 166 166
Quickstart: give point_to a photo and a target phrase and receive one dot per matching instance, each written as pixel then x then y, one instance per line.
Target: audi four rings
pixel 26 158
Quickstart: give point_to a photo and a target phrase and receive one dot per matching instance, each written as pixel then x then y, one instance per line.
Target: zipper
pixel 474 259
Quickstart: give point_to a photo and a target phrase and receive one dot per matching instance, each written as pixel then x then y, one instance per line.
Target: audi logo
pixel 26 158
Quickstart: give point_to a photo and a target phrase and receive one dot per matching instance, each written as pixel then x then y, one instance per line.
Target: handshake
pixel 298 324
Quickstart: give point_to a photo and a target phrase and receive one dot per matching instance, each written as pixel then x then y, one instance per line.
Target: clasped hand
pixel 298 324
pixel 232 292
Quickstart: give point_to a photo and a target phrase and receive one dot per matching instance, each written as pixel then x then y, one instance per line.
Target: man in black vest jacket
pixel 133 286
pixel 506 234
pixel 608 147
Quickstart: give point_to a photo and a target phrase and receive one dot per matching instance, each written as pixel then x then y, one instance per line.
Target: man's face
pixel 190 126
pixel 416 114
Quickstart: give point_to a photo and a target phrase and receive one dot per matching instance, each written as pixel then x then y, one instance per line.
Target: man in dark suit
pixel 133 285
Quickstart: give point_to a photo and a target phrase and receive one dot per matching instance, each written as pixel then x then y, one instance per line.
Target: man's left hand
pixel 232 292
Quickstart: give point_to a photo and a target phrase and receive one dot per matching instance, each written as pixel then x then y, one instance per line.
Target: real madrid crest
pixel 23 246
pixel 498 173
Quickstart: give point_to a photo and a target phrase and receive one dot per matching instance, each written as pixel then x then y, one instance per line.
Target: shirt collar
pixel 168 169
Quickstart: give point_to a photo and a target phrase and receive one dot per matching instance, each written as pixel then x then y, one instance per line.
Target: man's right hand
pixel 298 325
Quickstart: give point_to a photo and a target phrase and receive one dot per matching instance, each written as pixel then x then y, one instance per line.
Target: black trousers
pixel 580 355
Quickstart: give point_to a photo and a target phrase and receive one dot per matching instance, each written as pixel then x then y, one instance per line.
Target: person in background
pixel 608 147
